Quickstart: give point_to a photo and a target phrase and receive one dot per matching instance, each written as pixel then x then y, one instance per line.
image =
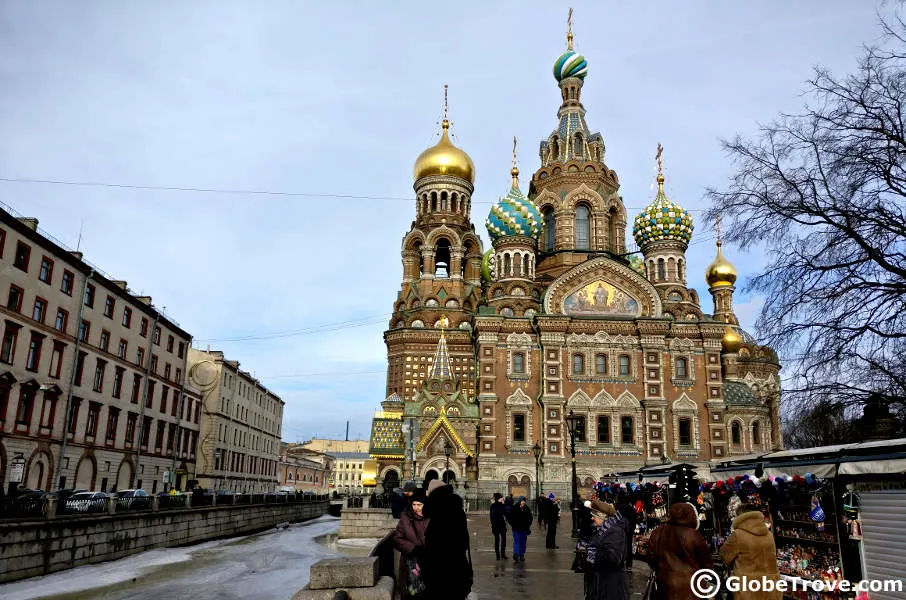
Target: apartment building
pixel 239 447
pixel 303 470
pixel 92 376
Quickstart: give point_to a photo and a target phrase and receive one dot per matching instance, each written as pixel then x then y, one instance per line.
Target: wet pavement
pixel 272 565
pixel 545 574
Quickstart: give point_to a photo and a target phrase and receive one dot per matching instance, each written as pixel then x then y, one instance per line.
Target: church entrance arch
pixel 449 476
pixel 391 480
pixel 519 486
pixel 431 475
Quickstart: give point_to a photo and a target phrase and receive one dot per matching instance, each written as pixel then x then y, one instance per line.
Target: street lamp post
pixel 447 450
pixel 572 422
pixel 536 450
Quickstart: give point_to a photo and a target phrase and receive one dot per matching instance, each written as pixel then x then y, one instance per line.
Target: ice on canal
pixel 272 565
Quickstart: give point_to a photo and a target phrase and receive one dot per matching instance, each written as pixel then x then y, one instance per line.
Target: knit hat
pixel 418 495
pixel 410 486
pixel 434 484
pixel 602 510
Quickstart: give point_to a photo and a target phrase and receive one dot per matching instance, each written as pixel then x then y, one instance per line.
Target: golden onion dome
pixel 444 159
pixel 731 341
pixel 720 273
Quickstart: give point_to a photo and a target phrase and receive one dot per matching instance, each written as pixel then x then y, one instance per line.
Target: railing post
pixel 111 506
pixel 214 499
pixel 188 500
pixel 155 503
pixel 51 508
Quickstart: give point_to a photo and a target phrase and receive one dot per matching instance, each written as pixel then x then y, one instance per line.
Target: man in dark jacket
pixel 447 564
pixel 498 525
pixel 551 518
pixel 627 511
pixel 521 522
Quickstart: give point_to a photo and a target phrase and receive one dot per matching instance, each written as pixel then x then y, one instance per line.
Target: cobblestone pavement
pixel 545 574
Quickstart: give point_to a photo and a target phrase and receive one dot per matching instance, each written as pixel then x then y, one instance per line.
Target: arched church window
pixel 756 433
pixel 736 433
pixel 433 200
pixel 550 224
pixel 578 364
pixel 443 201
pixel 578 147
pixel 442 259
pixel 583 227
pixel 661 270
pixel 507 265
pixel 517 265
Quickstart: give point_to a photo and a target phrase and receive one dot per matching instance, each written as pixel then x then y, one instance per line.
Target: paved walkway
pixel 545 574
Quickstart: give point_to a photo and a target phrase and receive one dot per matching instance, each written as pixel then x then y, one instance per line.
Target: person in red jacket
pixel 409 537
pixel 676 550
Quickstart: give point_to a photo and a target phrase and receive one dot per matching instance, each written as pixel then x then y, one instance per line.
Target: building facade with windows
pixel 239 447
pixel 303 470
pixel 92 376
pixel 489 352
pixel 352 465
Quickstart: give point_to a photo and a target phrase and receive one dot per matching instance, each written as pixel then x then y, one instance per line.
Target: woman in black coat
pixel 446 562
pixel 521 522
pixel 607 554
pixel 498 525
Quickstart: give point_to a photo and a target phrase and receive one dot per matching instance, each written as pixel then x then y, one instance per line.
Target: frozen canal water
pixel 272 565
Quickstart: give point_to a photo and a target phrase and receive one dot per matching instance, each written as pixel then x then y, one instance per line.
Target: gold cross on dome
pixel 445 102
pixel 660 161
pixel 717 228
pixel 569 29
pixel 514 151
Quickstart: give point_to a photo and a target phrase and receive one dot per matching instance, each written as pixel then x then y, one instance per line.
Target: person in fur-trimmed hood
pixel 751 552
pixel 676 550
pixel 606 557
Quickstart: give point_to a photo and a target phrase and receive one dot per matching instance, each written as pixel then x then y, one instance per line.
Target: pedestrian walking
pixel 498 525
pixel 627 510
pixel 521 522
pixel 409 539
pixel 447 562
pixel 551 519
pixel 541 509
pixel 750 552
pixel 676 550
pixel 606 554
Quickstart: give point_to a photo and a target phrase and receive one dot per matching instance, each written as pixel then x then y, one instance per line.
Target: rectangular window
pixel 14 302
pixel 167 371
pixel 23 253
pixel 113 418
pixel 26 407
pixel 140 357
pixel 39 310
pixel 130 428
pixel 149 401
pixel 603 430
pixel 61 321
pixel 122 348
pixel 84 330
pixel 601 364
pixel 578 364
pixel 48 411
pixel 159 439
pixel 73 415
pixel 98 385
pixel 156 338
pixel 169 343
pixel 118 382
pixel 518 428
pixel 624 365
pixel 685 432
pixel 109 306
pixel 518 362
pixel 68 280
pixel 175 406
pixel 80 366
pixel 164 394
pixel 146 431
pixel 94 413
pixel 136 388
pixel 170 435
pixel 33 358
pixel 682 371
pixel 56 360
pixel 154 363
pixel 8 348
pixel 127 317
pixel 105 340
pixel 627 430
pixel 89 296
pixel 180 349
pixel 580 429
pixel 45 274
pixel 143 327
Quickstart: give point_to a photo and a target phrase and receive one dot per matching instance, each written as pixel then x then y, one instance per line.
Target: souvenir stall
pixel 836 512
pixel 648 491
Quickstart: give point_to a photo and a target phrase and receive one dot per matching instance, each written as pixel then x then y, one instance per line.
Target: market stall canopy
pixel 877 457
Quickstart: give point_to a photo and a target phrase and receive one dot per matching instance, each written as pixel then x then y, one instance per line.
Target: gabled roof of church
pixel 443 423
pixel 440 367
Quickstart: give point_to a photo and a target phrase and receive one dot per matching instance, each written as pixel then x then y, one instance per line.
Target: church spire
pixel 440 366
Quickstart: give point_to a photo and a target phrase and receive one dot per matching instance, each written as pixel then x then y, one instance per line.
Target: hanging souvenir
pixel 817 513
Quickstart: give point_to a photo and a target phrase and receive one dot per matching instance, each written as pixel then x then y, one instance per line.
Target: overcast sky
pixel 332 102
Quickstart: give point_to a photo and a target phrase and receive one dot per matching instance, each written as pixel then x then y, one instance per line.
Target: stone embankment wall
pixel 38 547
pixel 372 523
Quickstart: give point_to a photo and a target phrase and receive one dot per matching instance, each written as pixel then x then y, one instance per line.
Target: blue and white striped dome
pixel 570 64
pixel 514 215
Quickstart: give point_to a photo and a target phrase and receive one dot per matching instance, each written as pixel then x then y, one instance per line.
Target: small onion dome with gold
pixel 662 220
pixel 720 273
pixel 731 341
pixel 444 159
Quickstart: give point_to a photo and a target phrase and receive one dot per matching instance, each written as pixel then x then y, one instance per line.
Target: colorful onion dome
pixel 570 64
pixel 444 159
pixel 720 273
pixel 487 266
pixel 662 220
pixel 514 214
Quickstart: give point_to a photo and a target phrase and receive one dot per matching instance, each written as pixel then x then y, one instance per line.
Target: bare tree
pixel 824 192
pixel 822 424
